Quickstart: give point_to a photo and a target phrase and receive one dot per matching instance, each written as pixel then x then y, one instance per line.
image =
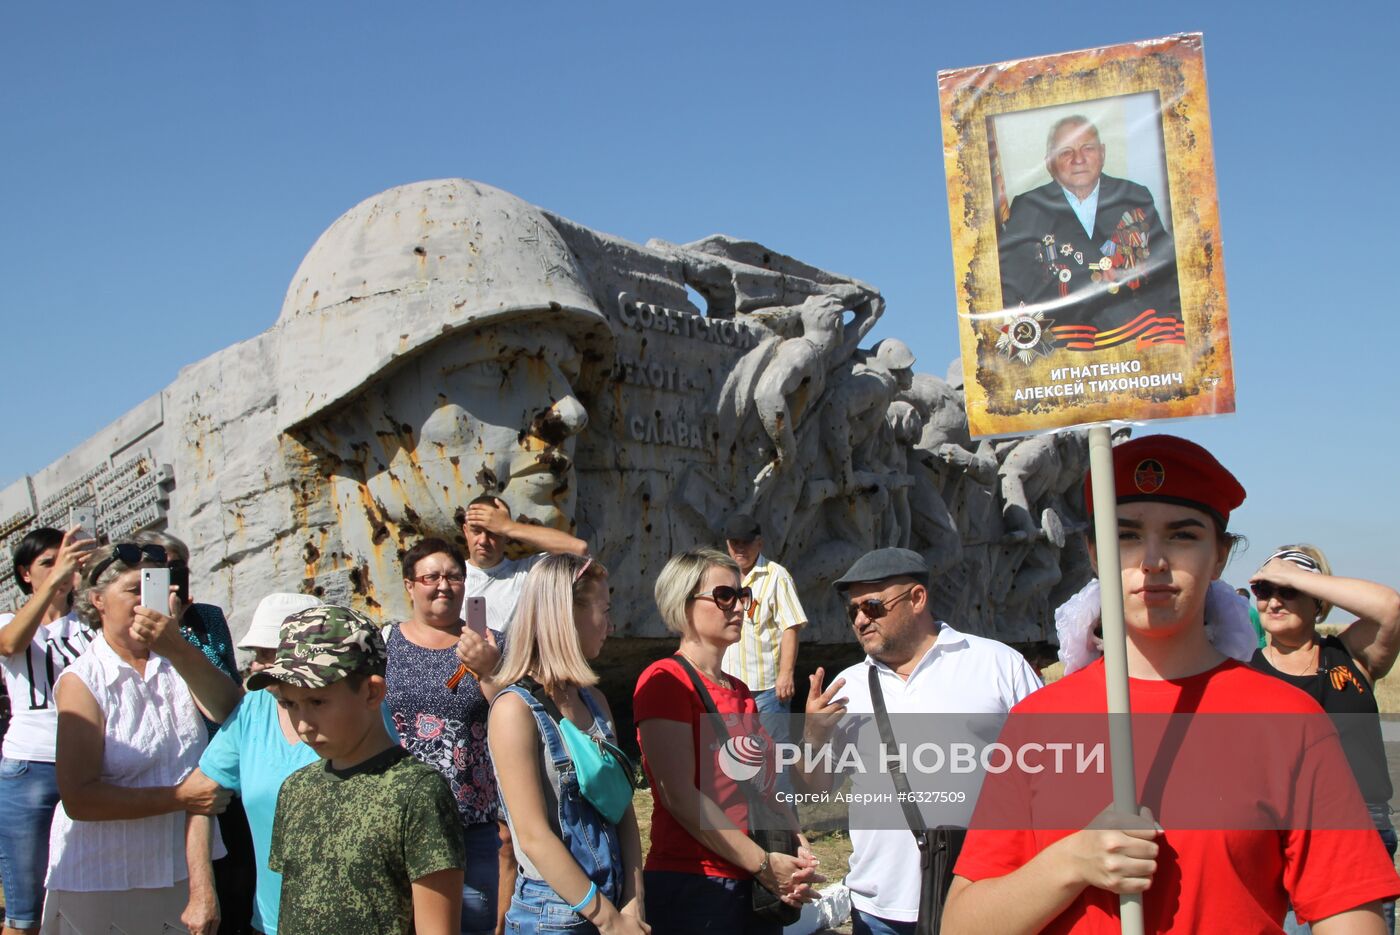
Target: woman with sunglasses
pixel 444 726
pixel 1255 819
pixel 572 821
pixel 123 850
pixel 1294 591
pixel 37 643
pixel 702 864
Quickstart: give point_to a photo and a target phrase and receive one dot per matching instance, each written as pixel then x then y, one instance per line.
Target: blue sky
pixel 167 165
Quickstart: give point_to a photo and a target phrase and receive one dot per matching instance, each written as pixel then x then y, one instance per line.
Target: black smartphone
pixel 180 578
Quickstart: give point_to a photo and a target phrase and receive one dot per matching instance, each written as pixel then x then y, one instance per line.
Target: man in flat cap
pixel 766 653
pixel 918 665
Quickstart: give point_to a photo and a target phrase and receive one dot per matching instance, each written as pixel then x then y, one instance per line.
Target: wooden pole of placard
pixel 1115 649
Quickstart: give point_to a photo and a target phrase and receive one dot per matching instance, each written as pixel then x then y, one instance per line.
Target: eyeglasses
pixel 129 553
pixel 873 607
pixel 1267 589
pixel 433 577
pixel 725 597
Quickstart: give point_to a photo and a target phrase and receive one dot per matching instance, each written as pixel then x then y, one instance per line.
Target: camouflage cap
pixel 322 645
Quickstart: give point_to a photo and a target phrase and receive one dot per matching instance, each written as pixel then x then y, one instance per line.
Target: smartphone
pixel 155 589
pixel 180 577
pixel 476 616
pixel 85 517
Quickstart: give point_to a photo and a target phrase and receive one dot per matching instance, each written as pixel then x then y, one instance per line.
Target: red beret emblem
pixel 1149 475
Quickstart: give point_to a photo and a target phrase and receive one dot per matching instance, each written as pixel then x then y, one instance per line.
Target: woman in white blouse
pixel 129 729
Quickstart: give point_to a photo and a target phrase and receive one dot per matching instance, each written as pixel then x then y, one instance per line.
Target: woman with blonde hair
pixel 566 787
pixel 1294 591
pixel 703 865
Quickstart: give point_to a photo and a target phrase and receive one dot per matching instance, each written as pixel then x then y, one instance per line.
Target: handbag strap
pixel 912 816
pixel 709 703
pixel 547 724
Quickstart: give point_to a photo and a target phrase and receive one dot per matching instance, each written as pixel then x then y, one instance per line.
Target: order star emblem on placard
pixel 1026 336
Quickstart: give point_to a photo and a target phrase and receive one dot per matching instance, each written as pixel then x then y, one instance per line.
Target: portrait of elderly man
pixel 1090 250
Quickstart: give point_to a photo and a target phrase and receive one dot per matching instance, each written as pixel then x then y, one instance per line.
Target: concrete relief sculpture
pixel 444 339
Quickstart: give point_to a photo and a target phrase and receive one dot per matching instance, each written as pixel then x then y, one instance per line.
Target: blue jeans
pixel 862 924
pixel 694 904
pixel 775 716
pixel 482 877
pixel 28 796
pixel 592 841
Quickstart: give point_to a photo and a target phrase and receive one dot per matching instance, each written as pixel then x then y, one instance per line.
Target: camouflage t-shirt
pixel 349 844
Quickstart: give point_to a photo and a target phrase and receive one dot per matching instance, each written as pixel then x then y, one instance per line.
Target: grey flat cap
pixel 742 528
pixel 881 564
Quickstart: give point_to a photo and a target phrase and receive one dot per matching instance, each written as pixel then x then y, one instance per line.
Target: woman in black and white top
pixel 1295 590
pixel 37 643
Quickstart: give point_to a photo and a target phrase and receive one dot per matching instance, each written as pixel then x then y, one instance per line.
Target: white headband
pixel 1302 559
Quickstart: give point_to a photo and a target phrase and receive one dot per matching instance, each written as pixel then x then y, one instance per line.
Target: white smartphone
pixel 476 616
pixel 155 589
pixel 85 517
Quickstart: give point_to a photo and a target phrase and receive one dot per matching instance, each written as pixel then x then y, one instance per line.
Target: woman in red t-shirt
pixel 702 864
pixel 1022 870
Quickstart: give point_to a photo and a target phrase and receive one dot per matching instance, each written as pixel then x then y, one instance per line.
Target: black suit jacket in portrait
pixel 1101 290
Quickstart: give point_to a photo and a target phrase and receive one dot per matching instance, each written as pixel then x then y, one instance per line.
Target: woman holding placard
pixel 1022 870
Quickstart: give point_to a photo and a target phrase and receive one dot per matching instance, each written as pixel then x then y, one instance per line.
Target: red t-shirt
pixel 664 691
pixel 1326 859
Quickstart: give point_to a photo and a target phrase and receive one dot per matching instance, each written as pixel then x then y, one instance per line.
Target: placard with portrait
pixel 1086 238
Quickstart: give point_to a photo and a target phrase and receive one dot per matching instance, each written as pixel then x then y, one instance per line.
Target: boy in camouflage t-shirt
pixel 367 840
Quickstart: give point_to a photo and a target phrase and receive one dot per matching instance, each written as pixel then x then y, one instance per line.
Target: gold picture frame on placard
pixel 1086 238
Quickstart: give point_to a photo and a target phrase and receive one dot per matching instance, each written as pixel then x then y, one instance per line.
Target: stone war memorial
pixel 445 339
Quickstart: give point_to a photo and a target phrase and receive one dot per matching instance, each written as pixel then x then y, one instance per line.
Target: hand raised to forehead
pixel 492 517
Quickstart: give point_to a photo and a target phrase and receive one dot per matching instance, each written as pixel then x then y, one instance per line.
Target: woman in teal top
pixel 256 749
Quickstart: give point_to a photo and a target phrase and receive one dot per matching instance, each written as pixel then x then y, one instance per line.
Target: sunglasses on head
pixel 873 607
pixel 129 553
pixel 1267 589
pixel 725 597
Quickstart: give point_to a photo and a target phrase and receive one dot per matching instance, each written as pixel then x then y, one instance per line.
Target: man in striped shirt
pixel 766 653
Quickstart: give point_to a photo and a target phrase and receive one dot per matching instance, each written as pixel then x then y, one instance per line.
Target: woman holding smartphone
pixel 129 730
pixel 445 727
pixel 37 643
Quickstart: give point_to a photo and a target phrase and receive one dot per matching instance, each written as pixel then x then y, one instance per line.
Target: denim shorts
pixel 694 904
pixel 28 796
pixel 483 874
pixel 535 908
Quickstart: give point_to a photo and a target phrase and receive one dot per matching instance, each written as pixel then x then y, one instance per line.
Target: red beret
pixel 1173 470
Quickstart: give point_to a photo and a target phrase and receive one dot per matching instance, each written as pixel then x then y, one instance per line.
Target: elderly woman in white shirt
pixel 129 730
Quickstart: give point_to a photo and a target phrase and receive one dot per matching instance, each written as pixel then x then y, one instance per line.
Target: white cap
pixel 265 630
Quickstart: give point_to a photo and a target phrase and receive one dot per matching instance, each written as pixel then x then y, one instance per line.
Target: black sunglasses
pixel 725 597
pixel 1267 589
pixel 873 607
pixel 129 553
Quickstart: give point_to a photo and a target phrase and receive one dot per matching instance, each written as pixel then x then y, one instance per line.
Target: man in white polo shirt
pixel 923 666
pixel 489 527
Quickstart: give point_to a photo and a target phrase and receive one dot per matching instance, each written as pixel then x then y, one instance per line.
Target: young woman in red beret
pixel 1023 868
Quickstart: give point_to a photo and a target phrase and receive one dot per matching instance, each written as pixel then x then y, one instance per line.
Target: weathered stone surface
pixel 445 339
